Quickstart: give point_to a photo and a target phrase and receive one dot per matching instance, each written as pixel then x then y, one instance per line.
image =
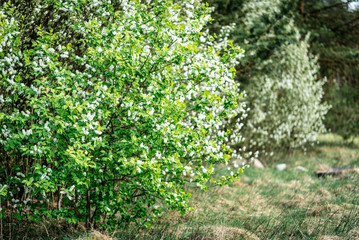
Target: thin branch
pixel 346 23
pixel 329 7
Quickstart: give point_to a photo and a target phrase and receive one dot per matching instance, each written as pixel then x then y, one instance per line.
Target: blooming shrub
pixel 279 75
pixel 108 109
pixel 284 93
pixel 285 101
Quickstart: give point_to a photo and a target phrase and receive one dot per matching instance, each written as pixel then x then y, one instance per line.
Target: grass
pixel 268 204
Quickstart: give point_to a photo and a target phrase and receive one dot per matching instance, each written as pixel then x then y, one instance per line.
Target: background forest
pixel 332 29
pixel 156 119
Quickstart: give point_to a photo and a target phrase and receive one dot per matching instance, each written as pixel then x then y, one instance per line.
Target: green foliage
pixel 107 110
pixel 343 117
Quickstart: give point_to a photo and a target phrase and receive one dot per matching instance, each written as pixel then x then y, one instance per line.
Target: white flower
pixel 85 131
pixel 65 55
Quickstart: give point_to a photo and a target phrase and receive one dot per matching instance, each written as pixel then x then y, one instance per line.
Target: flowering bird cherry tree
pixel 284 92
pixel 279 74
pixel 107 108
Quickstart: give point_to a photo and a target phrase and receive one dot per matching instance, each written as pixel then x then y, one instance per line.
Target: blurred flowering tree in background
pixel 279 74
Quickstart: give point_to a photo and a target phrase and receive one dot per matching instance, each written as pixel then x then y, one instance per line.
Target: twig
pixel 46 229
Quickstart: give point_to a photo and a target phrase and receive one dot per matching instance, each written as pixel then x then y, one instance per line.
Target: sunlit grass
pixel 336 139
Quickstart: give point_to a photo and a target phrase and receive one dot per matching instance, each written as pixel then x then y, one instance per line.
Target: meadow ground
pixel 267 203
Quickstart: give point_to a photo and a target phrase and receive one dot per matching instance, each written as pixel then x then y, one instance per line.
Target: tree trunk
pixel 88 216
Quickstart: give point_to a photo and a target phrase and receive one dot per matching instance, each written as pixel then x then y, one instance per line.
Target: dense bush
pixel 278 73
pixel 108 109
